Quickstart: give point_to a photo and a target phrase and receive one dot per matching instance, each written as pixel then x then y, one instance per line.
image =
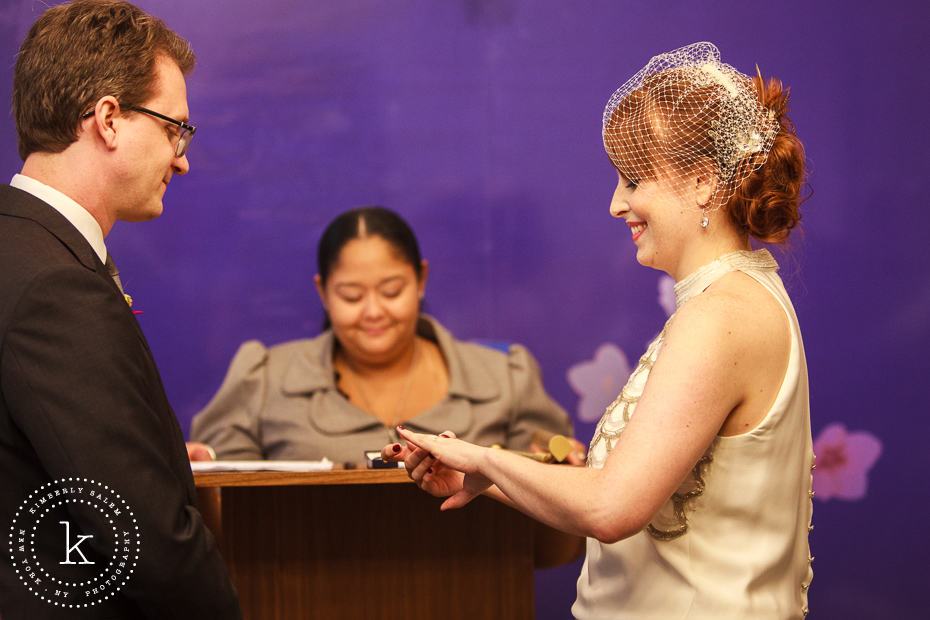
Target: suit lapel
pixel 17 203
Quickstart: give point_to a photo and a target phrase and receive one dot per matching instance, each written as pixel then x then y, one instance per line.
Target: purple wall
pixel 479 120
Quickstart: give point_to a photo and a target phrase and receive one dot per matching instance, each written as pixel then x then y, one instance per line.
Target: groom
pixel 86 430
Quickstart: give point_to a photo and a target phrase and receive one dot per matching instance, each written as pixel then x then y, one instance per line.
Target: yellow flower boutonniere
pixel 129 302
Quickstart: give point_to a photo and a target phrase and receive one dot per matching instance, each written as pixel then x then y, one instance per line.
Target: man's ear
pixel 106 120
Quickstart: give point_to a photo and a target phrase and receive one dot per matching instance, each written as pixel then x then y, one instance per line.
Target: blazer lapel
pixel 17 203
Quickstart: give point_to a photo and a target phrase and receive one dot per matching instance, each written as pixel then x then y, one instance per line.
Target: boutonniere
pixel 129 302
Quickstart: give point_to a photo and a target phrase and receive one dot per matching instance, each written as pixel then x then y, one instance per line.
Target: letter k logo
pixel 69 547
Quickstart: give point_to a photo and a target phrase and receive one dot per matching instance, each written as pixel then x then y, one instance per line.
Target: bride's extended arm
pixel 699 377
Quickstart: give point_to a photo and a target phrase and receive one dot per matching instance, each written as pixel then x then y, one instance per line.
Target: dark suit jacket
pixel 80 396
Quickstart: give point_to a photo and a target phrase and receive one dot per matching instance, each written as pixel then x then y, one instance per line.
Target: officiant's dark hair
pixel 366 222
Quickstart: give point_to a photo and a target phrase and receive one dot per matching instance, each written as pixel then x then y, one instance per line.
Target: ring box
pixel 373 460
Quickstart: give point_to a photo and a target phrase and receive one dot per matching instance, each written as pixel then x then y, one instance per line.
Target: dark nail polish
pixel 396 448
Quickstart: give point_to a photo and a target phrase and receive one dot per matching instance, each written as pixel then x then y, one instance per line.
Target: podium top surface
pixel 284 478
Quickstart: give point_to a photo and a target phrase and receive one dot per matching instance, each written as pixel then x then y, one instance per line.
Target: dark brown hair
pixel 370 221
pixel 77 53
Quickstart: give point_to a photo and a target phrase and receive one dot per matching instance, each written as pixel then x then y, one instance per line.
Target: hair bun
pixel 767 203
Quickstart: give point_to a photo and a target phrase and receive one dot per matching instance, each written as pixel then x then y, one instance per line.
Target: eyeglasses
pixel 184 136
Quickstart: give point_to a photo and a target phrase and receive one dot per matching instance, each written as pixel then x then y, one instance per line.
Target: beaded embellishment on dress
pixel 620 411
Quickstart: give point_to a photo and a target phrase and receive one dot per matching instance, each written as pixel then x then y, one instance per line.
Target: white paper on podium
pixel 207 466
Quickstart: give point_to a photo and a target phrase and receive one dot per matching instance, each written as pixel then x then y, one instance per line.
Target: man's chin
pixel 143 215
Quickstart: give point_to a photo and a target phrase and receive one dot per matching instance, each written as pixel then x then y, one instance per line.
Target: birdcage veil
pixel 684 113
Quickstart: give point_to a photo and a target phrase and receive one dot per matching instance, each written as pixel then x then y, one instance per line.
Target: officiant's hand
pixel 197 451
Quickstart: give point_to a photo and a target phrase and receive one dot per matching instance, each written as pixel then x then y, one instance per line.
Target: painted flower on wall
pixel 843 462
pixel 598 382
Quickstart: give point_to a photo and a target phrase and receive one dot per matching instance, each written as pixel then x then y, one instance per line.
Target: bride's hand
pixel 443 465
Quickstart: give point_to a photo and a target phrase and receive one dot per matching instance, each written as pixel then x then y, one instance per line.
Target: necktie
pixel 113 271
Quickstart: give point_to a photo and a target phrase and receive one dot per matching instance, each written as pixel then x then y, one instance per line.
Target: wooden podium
pixel 369 544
